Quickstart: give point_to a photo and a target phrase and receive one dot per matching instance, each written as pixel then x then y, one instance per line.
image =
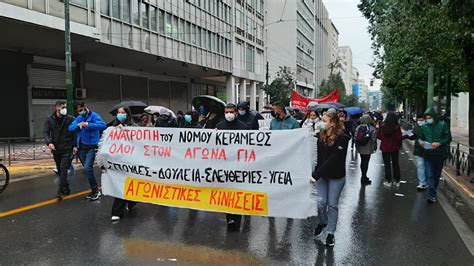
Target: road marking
pixel 41 204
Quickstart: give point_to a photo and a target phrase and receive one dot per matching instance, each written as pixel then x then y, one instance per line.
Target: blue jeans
pixel 87 157
pixel 329 191
pixel 420 167
pixel 433 168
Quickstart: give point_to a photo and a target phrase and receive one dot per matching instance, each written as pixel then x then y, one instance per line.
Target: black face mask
pixel 274 114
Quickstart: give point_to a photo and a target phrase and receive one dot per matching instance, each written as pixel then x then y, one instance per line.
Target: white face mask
pixel 63 111
pixel 230 117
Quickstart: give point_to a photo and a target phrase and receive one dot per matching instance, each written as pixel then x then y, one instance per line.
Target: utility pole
pixel 267 75
pixel 429 98
pixel 67 42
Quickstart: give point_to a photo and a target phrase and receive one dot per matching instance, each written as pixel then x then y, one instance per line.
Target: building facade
pixel 345 55
pixel 161 52
pixel 333 43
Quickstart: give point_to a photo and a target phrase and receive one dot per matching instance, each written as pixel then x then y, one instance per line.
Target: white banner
pixel 263 173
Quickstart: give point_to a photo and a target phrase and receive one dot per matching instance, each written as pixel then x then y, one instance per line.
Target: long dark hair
pixel 390 124
pixel 128 121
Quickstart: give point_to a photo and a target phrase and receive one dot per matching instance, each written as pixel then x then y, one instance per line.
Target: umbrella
pixel 313 106
pixel 354 110
pixel 336 105
pixel 154 109
pixel 136 107
pixel 211 104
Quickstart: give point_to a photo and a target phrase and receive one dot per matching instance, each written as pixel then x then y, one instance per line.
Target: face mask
pixel 202 110
pixel 274 114
pixel 83 112
pixel 155 117
pixel 187 118
pixel 122 117
pixel 229 117
pixel 429 121
pixel 421 123
pixel 242 112
pixel 63 111
pixel 323 126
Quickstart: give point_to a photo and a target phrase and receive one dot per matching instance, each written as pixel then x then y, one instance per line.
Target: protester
pixel 87 127
pixel 180 119
pixel 330 173
pixel 281 119
pixel 390 134
pixel 191 120
pixel 166 119
pixel 434 138
pixel 312 122
pixel 297 114
pixel 61 143
pixel 366 144
pixel 232 123
pixel 418 151
pixel 145 121
pixel 347 123
pixel 123 119
pixel 246 116
pixel 207 119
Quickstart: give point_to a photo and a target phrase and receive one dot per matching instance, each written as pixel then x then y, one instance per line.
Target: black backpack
pixel 362 136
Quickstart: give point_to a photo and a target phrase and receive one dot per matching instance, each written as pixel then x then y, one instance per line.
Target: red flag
pixel 301 102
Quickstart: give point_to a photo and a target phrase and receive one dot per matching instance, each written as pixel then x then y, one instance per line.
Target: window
pixel 175 27
pixel 161 22
pixel 145 20
pixel 135 12
pixel 92 4
pixel 198 36
pixel 168 27
pixel 203 38
pixel 126 10
pixel 250 58
pixel 181 30
pixel 116 9
pixel 193 34
pixel 209 41
pixel 104 7
pixel 188 32
pixel 153 18
pixel 80 2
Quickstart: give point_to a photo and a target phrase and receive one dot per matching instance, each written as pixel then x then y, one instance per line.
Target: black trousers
pixel 364 164
pixel 63 162
pixel 118 208
pixel 390 159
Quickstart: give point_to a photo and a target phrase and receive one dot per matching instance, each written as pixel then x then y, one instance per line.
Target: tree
pixel 280 88
pixel 334 81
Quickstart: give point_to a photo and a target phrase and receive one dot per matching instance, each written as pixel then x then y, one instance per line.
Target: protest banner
pixel 247 172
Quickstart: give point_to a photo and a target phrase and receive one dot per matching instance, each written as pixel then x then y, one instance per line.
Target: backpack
pixel 362 136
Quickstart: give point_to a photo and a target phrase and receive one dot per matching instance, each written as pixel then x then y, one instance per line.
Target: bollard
pixel 458 161
pixel 9 154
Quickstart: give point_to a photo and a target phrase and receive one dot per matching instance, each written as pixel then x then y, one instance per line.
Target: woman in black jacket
pixel 330 173
pixel 123 119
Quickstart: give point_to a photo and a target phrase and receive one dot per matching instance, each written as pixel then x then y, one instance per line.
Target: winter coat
pixel 171 122
pixel 90 135
pixel 56 132
pixel 436 132
pixel 234 125
pixel 332 159
pixel 392 142
pixel 249 119
pixel 287 123
pixel 371 146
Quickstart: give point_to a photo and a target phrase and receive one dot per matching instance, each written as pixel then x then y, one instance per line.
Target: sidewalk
pixel 29 167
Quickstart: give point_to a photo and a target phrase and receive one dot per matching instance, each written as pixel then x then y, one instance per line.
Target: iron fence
pixel 21 149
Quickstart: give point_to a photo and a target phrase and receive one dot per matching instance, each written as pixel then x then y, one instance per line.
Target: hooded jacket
pixel 88 136
pixel 56 132
pixel 438 131
pixel 371 146
pixel 249 119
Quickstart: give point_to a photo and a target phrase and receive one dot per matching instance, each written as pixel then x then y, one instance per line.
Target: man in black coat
pixel 61 143
pixel 232 123
pixel 246 116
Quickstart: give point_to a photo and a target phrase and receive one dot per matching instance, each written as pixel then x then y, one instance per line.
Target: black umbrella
pixel 211 104
pixel 336 105
pixel 136 107
pixel 319 106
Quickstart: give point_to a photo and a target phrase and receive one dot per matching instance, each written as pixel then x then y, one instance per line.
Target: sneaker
pixel 59 195
pixel 55 171
pixel 319 229
pixel 88 197
pixel 397 184
pixel 421 187
pixel 95 196
pixel 365 181
pixel 431 200
pixel 129 208
pixel 115 218
pixel 387 184
pixel 330 241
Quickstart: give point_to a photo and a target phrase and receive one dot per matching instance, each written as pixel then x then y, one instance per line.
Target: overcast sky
pixel 352 29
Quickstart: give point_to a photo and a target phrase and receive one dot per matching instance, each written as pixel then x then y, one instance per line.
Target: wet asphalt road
pixel 376 227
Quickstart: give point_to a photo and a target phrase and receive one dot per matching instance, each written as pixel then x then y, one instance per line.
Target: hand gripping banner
pixel 264 173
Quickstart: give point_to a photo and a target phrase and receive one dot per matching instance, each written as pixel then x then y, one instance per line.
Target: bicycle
pixel 4 177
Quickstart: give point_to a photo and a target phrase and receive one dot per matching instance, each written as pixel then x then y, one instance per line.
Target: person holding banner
pixel 123 119
pixel 232 123
pixel 191 120
pixel 330 173
pixel 246 116
pixel 281 119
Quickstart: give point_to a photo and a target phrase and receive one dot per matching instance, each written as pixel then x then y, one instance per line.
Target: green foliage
pixel 280 88
pixel 408 37
pixel 334 81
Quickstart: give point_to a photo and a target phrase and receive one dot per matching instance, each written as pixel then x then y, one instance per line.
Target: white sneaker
pixel 115 218
pixel 397 184
pixel 387 184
